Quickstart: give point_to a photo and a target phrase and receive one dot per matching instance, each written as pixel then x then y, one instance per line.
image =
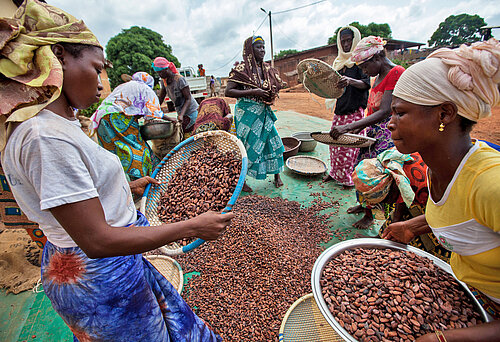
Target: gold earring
pixel 441 127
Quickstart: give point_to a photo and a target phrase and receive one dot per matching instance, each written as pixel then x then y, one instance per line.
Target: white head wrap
pixel 467 76
pixel 344 57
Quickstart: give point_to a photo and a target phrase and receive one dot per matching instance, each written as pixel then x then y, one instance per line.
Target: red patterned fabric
pixel 388 83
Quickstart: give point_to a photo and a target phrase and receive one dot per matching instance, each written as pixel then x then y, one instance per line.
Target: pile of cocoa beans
pixel 392 295
pixel 257 269
pixel 205 181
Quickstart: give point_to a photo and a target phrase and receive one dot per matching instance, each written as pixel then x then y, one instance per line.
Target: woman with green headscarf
pixel 255 84
pixel 92 268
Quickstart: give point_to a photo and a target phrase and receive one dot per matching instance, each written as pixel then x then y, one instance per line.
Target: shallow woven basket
pixel 304 322
pixel 345 140
pixel 306 165
pixel 169 268
pixel 164 171
pixel 319 78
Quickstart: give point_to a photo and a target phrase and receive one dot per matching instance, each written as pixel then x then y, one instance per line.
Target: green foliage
pixel 457 29
pixel 372 29
pixel 133 50
pixel 401 62
pixel 89 111
pixel 284 53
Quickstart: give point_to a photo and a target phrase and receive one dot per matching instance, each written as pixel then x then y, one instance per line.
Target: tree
pixel 457 29
pixel 372 29
pixel 284 53
pixel 133 50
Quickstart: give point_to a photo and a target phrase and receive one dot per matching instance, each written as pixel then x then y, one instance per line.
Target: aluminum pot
pixel 307 143
pixel 157 129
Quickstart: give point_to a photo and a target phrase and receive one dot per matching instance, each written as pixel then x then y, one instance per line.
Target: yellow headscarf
pixel 32 73
pixel 344 57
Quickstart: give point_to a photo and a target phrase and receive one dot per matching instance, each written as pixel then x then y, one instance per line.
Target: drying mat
pixel 345 140
pixel 18 274
pixel 319 78
pixel 303 322
pixel 306 165
pixel 165 170
pixel 169 268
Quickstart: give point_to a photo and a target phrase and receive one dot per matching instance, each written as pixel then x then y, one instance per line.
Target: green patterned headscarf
pixel 31 75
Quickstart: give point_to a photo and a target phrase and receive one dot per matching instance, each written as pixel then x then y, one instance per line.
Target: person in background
pixel 177 89
pixel 369 54
pixel 436 102
pixel 349 107
pixel 201 71
pixel 92 268
pixel 212 86
pixel 116 124
pixel 397 182
pixel 255 84
pixel 214 114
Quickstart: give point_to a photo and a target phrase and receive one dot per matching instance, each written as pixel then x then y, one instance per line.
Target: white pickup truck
pixel 197 85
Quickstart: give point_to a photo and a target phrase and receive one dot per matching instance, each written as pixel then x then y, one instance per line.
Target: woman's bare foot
pixel 365 222
pixel 327 178
pixel 356 209
pixel 347 187
pixel 277 181
pixel 246 188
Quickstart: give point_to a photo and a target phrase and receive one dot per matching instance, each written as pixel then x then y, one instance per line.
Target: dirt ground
pixel 309 104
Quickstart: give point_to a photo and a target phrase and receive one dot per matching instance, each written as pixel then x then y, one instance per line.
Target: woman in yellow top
pixel 435 104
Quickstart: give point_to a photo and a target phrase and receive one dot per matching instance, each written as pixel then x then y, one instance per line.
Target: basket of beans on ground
pixel 204 172
pixel 379 290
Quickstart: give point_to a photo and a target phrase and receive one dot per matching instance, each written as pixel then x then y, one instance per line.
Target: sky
pixel 212 32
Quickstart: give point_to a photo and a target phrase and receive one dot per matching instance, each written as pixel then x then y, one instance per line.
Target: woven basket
pixel 164 171
pixel 345 140
pixel 304 322
pixel 169 268
pixel 306 165
pixel 319 78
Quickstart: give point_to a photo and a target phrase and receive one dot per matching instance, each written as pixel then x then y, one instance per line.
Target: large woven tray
pixel 345 140
pixel 303 322
pixel 340 247
pixel 164 171
pixel 306 165
pixel 169 268
pixel 319 78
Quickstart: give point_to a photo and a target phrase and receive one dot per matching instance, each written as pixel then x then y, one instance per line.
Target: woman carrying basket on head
pixel 369 54
pixel 350 107
pixel 92 269
pixel 256 85
pixel 436 102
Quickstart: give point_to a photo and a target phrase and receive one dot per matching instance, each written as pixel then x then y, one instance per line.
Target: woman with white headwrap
pixel 435 104
pixel 350 107
pixel 369 54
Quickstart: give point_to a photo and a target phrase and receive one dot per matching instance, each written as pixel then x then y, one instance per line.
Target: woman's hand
pixel 138 186
pixel 344 82
pixel 337 131
pixel 210 225
pixel 399 232
pixel 263 94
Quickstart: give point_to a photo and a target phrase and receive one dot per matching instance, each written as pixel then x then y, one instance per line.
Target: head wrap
pixel 246 74
pixel 467 76
pixel 144 77
pixel 33 75
pixel 344 57
pixel 373 177
pixel 161 63
pixel 367 48
pixel 257 38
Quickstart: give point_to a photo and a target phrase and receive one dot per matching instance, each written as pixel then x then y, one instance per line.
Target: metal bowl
pixel 340 247
pixel 307 143
pixel 157 129
pixel 291 147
